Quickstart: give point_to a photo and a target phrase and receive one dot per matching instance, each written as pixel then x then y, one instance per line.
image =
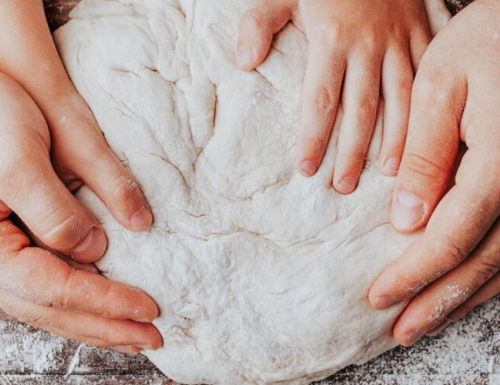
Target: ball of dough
pixel 261 274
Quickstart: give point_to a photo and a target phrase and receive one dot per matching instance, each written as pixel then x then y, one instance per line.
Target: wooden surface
pixel 466 353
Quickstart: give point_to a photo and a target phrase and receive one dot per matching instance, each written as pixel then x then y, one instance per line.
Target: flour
pixel 44 353
pixel 261 274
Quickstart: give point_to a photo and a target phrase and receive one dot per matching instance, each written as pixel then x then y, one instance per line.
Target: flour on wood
pixel 261 274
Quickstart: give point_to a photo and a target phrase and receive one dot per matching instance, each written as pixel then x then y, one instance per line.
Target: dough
pixel 261 274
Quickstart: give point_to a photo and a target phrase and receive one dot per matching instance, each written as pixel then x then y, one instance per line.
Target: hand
pixel 40 289
pixel 37 192
pixel 453 266
pixel 358 50
pixel 39 165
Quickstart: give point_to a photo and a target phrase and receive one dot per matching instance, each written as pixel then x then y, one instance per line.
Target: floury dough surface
pixel 261 274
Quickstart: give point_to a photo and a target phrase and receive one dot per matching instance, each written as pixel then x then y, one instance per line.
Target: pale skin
pixel 454 266
pixel 359 53
pixel 51 145
pixel 42 112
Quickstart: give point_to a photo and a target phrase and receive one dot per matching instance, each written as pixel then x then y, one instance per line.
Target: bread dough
pixel 261 274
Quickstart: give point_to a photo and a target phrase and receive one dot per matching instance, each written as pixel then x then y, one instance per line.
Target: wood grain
pixel 57 11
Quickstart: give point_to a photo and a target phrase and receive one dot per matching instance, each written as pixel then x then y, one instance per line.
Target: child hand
pixel 454 266
pixel 359 51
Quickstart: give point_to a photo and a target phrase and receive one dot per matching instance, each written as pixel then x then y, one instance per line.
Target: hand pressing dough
pixel 261 274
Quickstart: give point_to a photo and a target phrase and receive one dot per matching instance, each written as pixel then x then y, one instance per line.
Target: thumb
pixel 431 147
pixel 30 187
pixel 257 28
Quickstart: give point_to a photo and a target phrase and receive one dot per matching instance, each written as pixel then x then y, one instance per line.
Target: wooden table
pixel 466 353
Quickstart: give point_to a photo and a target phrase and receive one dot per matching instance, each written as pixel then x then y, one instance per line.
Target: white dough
pixel 261 274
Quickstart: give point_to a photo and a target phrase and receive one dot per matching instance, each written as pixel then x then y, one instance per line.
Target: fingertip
pixel 407 212
pixel 308 168
pixel 256 30
pixel 245 58
pixel 142 219
pixel 254 41
pixel 145 308
pixel 92 247
pixel 346 185
pixel 390 166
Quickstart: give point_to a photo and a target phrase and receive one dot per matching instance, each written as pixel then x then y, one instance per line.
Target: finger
pixel 459 223
pixel 419 42
pixel 486 292
pixel 430 310
pixel 431 147
pixel 81 154
pixel 397 81
pixel 41 277
pixel 443 325
pixel 256 30
pixel 32 189
pixel 87 328
pixel 360 101
pixel 5 211
pixel 322 84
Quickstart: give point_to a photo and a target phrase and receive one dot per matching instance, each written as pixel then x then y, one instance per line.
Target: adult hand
pixel 78 151
pixel 453 266
pixel 40 289
pixel 358 50
pixel 51 144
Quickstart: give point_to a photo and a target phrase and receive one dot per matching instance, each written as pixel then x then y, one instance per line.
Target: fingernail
pixel 348 184
pixel 244 57
pixel 92 248
pixel 384 302
pixel 141 220
pixel 391 165
pixel 407 210
pixel 308 168
pixel 126 349
pixel 412 337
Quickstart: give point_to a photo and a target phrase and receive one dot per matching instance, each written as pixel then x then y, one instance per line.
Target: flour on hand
pixel 261 274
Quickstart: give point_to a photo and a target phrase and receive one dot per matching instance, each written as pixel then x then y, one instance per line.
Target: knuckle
pixel 371 40
pixel 324 101
pixel 254 18
pixel 485 270
pixel 327 35
pixel 450 252
pixel 367 110
pixel 431 92
pixel 39 319
pixel 125 188
pixel 60 298
pixel 404 86
pixel 419 167
pixel 70 230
